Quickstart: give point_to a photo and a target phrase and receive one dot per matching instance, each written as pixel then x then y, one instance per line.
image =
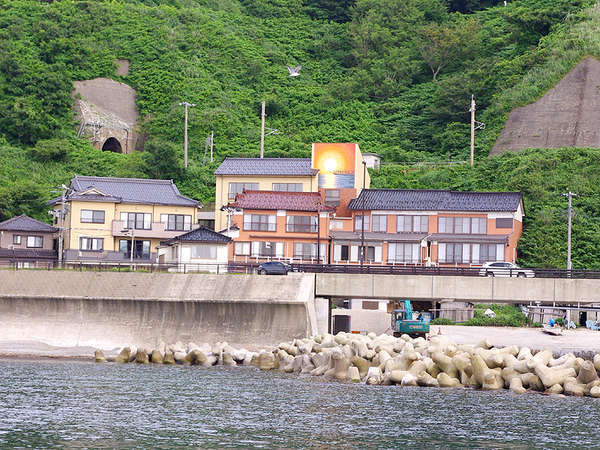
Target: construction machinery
pixel 403 322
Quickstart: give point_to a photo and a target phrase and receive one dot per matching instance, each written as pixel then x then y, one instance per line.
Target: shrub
pixel 442 321
pixel 506 316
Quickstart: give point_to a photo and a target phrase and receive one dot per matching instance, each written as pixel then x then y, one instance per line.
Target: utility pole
pixel 362 224
pixel 212 137
pixel 472 129
pixel 262 130
pixel 62 225
pixel 570 195
pixel 185 135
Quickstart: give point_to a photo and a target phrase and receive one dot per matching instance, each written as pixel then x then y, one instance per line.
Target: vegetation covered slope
pixel 393 75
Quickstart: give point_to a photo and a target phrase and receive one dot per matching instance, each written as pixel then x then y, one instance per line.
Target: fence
pixel 251 267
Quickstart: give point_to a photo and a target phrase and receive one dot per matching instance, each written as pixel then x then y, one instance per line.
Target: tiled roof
pixel 435 200
pixel 371 237
pixel 483 238
pixel 26 223
pixel 27 253
pixel 266 166
pixel 129 190
pixel 201 234
pixel 290 201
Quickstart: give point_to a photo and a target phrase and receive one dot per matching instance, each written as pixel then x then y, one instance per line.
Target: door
pixel 341 323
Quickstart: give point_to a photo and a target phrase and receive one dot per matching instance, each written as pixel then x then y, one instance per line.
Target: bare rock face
pixel 567 116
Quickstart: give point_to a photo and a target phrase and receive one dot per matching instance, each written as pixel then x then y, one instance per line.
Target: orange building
pixel 293 226
pixel 431 227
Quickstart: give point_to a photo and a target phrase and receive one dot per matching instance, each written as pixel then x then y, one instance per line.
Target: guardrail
pixel 251 267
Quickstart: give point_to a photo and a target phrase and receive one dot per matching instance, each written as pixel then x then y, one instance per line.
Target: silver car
pixel 504 269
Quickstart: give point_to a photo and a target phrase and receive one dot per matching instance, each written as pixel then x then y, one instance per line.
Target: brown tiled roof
pixel 290 201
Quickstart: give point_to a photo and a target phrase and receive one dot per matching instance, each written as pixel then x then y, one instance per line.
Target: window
pixel 450 253
pixel 241 248
pixel 409 224
pixel 487 252
pixel 204 251
pixel 306 251
pixel 504 223
pixel 176 222
pixel 358 223
pixel 260 222
pixel 92 216
pixel 141 249
pixel 301 224
pixel 268 249
pixel 470 253
pixel 287 187
pixel 344 253
pixel 35 241
pixel 332 197
pixel 238 188
pixel 369 253
pixel 403 252
pixel 138 221
pixel 16 239
pixel 337 225
pixel 91 244
pixel 479 225
pixel 462 225
pixel 380 223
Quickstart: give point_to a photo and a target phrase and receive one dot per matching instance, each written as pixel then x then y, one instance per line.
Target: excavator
pixel 403 322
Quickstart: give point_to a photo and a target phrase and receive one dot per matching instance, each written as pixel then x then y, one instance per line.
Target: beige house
pixel 26 242
pixel 106 218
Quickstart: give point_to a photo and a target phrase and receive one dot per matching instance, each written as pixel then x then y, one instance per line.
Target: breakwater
pixel 104 309
pixel 403 361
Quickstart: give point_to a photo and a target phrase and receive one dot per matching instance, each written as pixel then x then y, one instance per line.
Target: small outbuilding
pixel 199 250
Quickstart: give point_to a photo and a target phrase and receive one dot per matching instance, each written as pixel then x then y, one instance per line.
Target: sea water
pixel 50 403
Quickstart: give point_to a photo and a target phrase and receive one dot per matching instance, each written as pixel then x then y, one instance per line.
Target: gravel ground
pixel 580 341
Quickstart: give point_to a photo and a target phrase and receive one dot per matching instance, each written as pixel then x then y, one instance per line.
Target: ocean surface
pixel 50 403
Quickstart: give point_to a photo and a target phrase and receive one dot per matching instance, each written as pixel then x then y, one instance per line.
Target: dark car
pixel 274 268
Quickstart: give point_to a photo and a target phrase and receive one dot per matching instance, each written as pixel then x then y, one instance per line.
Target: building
pixel 122 219
pixel 280 225
pixel 334 170
pixel 431 227
pixel 26 242
pixel 199 250
pixel 372 160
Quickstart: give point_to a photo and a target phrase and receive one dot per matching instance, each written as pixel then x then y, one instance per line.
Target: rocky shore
pixel 403 361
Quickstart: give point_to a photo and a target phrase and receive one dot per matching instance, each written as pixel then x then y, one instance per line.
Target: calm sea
pixel 46 403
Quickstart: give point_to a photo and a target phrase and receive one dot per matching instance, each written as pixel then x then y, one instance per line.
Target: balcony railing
pixel 157 230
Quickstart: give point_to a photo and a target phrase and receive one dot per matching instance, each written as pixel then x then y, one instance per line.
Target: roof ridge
pixel 126 179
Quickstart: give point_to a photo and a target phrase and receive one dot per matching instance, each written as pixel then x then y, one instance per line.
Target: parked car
pixel 504 269
pixel 274 268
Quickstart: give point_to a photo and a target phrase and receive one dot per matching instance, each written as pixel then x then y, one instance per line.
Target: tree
pixel 440 44
pixel 161 159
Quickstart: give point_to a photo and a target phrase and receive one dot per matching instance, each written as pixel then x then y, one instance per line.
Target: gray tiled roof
pixel 201 234
pixel 130 190
pixel 26 223
pixel 374 237
pixel 436 200
pixel 266 166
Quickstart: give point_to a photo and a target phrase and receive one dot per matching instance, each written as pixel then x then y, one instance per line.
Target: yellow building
pixel 105 218
pixel 335 170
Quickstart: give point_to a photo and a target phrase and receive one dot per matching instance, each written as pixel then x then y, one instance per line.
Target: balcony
pixel 156 231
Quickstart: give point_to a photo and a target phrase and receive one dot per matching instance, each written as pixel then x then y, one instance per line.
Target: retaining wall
pixel 108 310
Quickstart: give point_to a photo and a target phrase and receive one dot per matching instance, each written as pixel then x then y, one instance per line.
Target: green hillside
pixel 393 75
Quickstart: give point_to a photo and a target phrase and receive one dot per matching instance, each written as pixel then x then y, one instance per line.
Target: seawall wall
pixel 108 310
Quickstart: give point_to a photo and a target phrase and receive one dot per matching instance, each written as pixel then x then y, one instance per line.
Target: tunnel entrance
pixel 112 145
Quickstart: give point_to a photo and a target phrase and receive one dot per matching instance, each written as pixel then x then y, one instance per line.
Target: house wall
pixel 281 234
pixel 112 211
pixel 6 239
pixel 265 183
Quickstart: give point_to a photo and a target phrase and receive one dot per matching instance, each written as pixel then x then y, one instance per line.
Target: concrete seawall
pixel 108 310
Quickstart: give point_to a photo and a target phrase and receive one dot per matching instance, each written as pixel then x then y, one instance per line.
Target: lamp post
pixel 130 230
